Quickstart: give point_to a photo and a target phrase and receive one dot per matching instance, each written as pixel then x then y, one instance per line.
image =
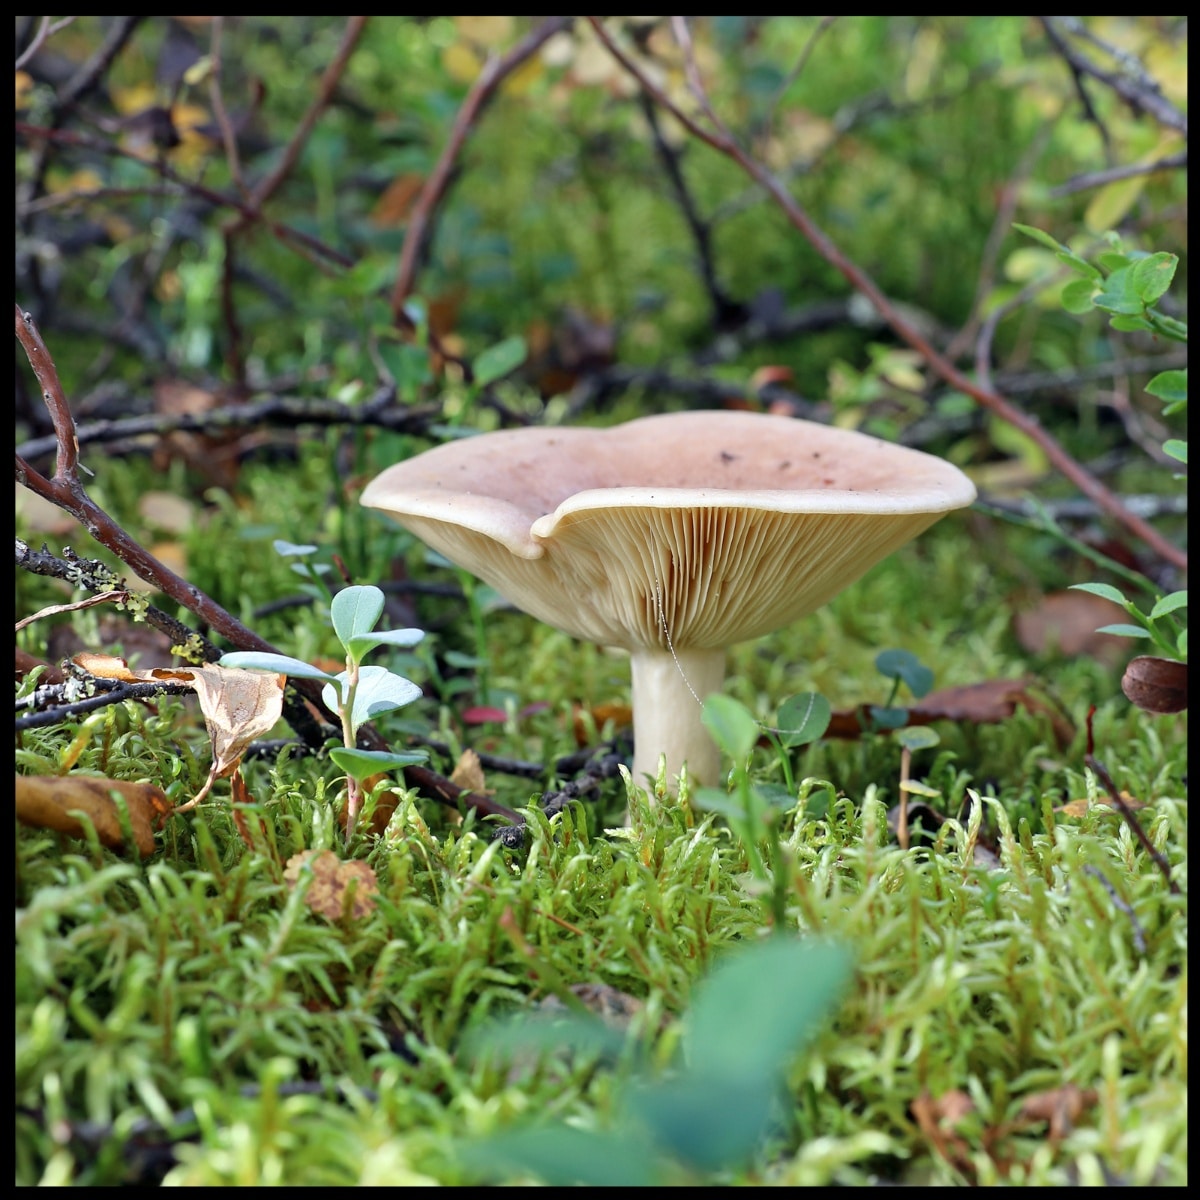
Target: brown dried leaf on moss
pixel 49 802
pixel 238 705
pixel 339 890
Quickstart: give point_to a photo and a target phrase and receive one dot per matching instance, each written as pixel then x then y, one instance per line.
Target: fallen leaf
pixel 395 205
pixel 339 890
pixel 1156 685
pixel 48 802
pixel 1061 1107
pixel 1065 623
pixel 1079 808
pixel 988 703
pixel 238 705
pixel 481 714
pixel 468 774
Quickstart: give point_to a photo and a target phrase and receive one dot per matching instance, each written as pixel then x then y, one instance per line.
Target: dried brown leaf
pixel 48 802
pixel 1061 1107
pixel 339 890
pixel 468 773
pixel 1066 623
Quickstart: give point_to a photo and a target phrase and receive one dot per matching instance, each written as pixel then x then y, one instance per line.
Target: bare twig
pixel 1172 162
pixel 53 707
pixel 494 72
pixel 295 239
pixel 1118 802
pixel 725 311
pixel 46 30
pixel 1135 86
pixel 718 137
pixel 267 187
pixel 289 411
pixel 66 490
pixel 1001 228
pixel 796 71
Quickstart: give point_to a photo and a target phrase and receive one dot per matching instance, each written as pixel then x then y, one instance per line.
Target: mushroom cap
pixel 709 528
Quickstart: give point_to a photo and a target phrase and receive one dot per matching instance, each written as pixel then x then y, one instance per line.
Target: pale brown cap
pixel 721 525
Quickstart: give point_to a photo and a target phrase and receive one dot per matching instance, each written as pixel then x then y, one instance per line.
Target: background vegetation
pixel 257 261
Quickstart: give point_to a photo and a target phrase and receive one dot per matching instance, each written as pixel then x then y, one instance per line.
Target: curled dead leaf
pixel 50 802
pixel 339 890
pixel 1156 685
pixel 238 705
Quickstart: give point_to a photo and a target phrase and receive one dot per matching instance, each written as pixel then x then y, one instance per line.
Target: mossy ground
pixel 147 988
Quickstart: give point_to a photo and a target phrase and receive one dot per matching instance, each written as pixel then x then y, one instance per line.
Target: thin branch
pixel 324 93
pixel 725 310
pixel 494 72
pixel 1137 88
pixel 45 31
pixel 295 239
pixel 722 140
pixel 796 71
pixel 289 411
pixel 61 709
pixel 1118 802
pixel 1081 183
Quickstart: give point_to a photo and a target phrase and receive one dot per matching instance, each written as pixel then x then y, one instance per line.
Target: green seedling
pixel 1128 286
pixel 358 694
pixel 748 1020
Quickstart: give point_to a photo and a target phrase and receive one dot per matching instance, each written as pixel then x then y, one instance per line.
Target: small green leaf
pixel 731 725
pixel 1081 266
pixel 1039 236
pixel 905 666
pixel 918 737
pixel 1113 260
pixel 1101 589
pixel 913 788
pixel 281 664
pixel 775 795
pixel 1133 631
pixel 888 718
pixel 715 800
pixel 361 764
pixel 361 644
pixel 408 365
pixel 497 361
pixel 1130 324
pixel 803 718
pixel 1176 449
pixel 740 1028
pixel 1169 604
pixel 1151 276
pixel 354 611
pixel 1077 296
pixel 1169 386
pixel 1119 295
pixel 291 549
pixel 379 691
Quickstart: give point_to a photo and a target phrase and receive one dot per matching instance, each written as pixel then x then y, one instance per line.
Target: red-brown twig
pixel 716 135
pixel 1118 802
pixel 65 489
pixel 494 72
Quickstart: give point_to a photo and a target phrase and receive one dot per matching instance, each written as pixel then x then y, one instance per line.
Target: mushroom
pixel 672 536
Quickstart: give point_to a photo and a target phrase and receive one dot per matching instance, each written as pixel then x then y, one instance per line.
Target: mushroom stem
pixel 666 712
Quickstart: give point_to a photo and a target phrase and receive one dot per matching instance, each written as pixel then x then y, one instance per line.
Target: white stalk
pixel 668 690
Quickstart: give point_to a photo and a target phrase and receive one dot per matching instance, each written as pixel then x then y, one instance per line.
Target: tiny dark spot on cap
pixel 783 466
pixel 816 454
pixel 726 457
